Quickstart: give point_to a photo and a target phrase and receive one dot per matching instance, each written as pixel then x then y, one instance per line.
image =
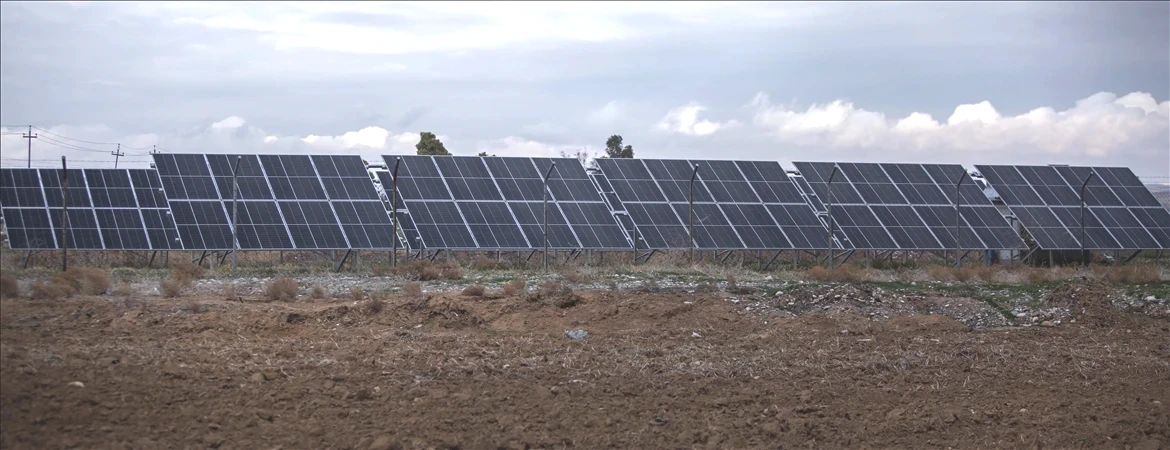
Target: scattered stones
pixel 576 334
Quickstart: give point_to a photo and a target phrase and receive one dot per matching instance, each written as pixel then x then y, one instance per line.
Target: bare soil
pixel 658 370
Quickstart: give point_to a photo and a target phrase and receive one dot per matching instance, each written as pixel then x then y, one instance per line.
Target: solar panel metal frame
pixel 444 197
pixel 657 190
pixel 288 198
pixel 1120 211
pixel 872 196
pixel 109 209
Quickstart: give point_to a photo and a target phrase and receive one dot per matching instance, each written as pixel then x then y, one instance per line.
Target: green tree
pixel 614 148
pixel 428 144
pixel 484 154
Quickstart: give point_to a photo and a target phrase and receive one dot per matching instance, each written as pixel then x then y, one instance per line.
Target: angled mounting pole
pixel 1084 260
pixel 235 210
pixel 116 154
pixel 962 176
pixel 394 212
pixel 544 257
pixel 691 218
pixel 64 215
pixel 829 210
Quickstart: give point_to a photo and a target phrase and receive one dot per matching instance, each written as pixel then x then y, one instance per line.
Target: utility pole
pixel 154 150
pixel 30 136
pixel 117 154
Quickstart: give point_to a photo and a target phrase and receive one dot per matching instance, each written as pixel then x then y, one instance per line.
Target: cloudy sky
pixel 1011 82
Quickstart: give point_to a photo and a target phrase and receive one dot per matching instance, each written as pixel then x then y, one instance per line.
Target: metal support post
pixel 235 210
pixel 64 215
pixel 691 206
pixel 394 212
pixel 829 211
pixel 1084 260
pixel 962 176
pixel 547 174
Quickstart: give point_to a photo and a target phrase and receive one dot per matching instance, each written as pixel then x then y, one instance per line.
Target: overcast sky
pixel 986 82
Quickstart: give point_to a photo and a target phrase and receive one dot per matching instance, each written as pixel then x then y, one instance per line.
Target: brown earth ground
pixel 658 370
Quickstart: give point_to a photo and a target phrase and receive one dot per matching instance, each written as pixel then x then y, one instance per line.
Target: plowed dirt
pixel 657 371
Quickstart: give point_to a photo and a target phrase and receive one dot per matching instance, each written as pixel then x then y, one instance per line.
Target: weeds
pixel 412 289
pixel 357 293
pixel 9 286
pixel 1135 274
pixel 171 288
pixel 379 270
pixel 573 276
pixel 451 270
pixel 485 264
pixel 515 286
pixel 282 288
pixel 187 271
pixel 317 293
pixel 372 306
pixel 842 274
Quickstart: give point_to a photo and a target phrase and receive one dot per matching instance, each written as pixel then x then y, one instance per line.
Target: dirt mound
pixel 1091 303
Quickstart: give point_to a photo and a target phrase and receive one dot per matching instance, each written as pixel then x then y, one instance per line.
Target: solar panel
pixel 283 202
pixel 1120 212
pixel 906 206
pixel 471 202
pixel 109 209
pixel 737 204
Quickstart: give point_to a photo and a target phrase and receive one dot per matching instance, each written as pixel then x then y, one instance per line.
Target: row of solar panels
pixel 320 202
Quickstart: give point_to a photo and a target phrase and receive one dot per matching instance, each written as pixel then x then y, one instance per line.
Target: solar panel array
pixel 472 202
pixel 907 206
pixel 285 202
pixel 109 209
pixel 1120 212
pixel 737 204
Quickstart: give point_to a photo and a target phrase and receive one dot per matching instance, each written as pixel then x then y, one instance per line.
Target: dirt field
pixel 812 366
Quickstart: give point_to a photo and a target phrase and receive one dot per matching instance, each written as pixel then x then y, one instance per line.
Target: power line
pixel 42 130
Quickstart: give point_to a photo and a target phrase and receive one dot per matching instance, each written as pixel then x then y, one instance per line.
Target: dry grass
pixel 84 280
pixel 187 271
pixel 984 273
pixel 733 286
pixel 282 289
pixel 573 276
pixel 940 273
pixel 515 286
pixel 474 290
pixel 379 270
pixel 229 292
pixel 1135 274
pixel 1034 274
pixel 372 306
pixel 425 270
pixel 171 287
pixel 9 287
pixel 412 289
pixel 484 264
pixel 842 274
pixel 451 270
pixel 357 293
pixel 317 293
pixel 123 290
pixel 41 290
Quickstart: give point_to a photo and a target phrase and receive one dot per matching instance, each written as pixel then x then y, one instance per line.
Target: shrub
pixel 124 290
pixel 1128 274
pixel 357 293
pixel 963 274
pixel 420 270
pixel 412 289
pixel 171 288
pixel 282 288
pixel 379 270
pixel 984 273
pixel 485 264
pixel 515 286
pixel 842 274
pixel 41 290
pixel 474 290
pixel 318 292
pixel 229 292
pixel 187 271
pixel 940 273
pixel 573 277
pixel 451 270
pixel 1035 275
pixel 84 280
pixel 372 306
pixel 9 286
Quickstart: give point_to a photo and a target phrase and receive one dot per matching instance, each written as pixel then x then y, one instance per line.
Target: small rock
pixel 1151 298
pixel 895 413
pixel 576 334
pixel 76 384
pixel 844 331
pixel 257 377
pixel 329 384
pixel 383 443
pixel 659 421
pixel 1047 323
pixel 696 335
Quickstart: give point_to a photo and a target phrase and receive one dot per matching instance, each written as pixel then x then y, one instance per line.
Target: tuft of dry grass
pixel 515 286
pixel 357 293
pixel 841 274
pixel 187 271
pixel 229 292
pixel 372 306
pixel 451 270
pixel 573 276
pixel 963 274
pixel 123 290
pixel 474 290
pixel 317 293
pixel 484 264
pixel 171 288
pixel 733 286
pixel 412 289
pixel 41 290
pixel 282 288
pixel 940 273
pixel 379 270
pixel 9 287
pixel 984 273
pixel 1035 274
pixel 1132 274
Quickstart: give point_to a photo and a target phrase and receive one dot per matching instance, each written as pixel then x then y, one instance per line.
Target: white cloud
pixel 685 120
pixel 518 146
pixel 230 122
pixel 613 111
pixel 1100 125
